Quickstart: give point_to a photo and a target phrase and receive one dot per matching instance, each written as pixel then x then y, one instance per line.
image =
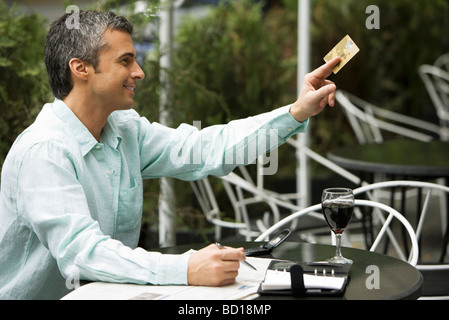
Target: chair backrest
pixel 436 82
pixel 369 122
pixel 205 196
pixel 383 213
pixel 325 162
pixel 402 193
pixel 241 192
pixel 442 62
pixel 418 201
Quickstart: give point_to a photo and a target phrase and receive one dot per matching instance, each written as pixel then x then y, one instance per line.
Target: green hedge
pixel 24 84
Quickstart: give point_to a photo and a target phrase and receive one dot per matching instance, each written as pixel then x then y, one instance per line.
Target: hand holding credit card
pixel 346 49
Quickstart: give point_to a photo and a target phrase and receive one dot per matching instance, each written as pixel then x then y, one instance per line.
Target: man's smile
pixel 130 87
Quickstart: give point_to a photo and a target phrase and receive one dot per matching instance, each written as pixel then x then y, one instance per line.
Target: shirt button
pixel 97 147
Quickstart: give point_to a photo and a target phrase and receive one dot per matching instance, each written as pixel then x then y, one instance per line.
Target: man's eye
pixel 126 61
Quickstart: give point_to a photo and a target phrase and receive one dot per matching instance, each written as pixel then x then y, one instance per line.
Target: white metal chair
pixel 384 213
pixel 442 62
pixel 243 190
pixel 436 82
pixel 325 162
pixel 424 196
pixel 370 123
pixel 205 196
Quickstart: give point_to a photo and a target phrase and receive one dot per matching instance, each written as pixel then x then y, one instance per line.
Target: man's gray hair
pixel 84 42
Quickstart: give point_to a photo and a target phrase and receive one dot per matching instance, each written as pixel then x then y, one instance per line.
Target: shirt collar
pixel 86 141
pixel 110 136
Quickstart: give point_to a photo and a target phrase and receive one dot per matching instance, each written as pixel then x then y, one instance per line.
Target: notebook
pixel 319 278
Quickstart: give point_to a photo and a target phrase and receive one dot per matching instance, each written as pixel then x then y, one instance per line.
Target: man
pixel 71 193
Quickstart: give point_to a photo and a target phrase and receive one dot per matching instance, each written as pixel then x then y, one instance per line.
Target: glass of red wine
pixel 338 205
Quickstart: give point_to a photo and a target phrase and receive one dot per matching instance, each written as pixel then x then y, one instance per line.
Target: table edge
pixel 364 166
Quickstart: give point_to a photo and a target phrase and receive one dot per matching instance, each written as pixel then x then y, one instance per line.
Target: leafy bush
pixel 24 84
pixel 227 65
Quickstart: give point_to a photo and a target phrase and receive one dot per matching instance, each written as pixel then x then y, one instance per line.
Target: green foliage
pixel 24 84
pixel 227 65
pixel 139 16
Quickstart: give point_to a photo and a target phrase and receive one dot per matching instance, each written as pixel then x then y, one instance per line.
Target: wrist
pixel 297 113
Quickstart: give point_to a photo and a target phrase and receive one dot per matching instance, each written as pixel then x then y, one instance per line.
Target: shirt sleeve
pixel 189 153
pixel 51 202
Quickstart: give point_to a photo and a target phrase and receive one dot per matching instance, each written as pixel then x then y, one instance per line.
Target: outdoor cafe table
pixel 397 279
pixel 396 159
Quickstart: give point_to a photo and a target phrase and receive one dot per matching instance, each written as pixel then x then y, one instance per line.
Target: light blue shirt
pixel 71 207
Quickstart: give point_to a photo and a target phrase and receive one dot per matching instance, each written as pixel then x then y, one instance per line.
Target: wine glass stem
pixel 338 246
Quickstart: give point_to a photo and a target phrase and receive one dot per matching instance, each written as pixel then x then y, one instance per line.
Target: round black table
pixel 396 158
pixel 398 279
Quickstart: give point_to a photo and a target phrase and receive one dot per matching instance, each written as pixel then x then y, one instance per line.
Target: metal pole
pixel 167 199
pixel 302 172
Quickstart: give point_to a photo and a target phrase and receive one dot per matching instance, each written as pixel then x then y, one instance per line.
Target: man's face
pixel 117 72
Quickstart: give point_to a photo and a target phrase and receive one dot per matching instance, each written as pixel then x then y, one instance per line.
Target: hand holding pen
pixel 244 261
pixel 214 266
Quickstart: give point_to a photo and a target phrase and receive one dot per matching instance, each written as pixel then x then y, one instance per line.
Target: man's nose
pixel 137 73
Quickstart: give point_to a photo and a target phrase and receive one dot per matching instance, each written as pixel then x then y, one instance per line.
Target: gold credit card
pixel 345 49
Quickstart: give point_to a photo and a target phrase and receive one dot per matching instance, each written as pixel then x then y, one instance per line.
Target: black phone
pixel 269 246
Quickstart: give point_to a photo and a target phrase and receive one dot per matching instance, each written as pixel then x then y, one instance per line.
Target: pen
pixel 248 264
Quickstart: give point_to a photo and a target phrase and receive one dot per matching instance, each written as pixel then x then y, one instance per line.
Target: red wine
pixel 337 214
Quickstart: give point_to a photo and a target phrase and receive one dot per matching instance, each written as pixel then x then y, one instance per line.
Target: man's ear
pixel 79 69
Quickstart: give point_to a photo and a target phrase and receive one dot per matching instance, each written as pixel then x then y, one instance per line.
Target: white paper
pixel 280 280
pixel 247 283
